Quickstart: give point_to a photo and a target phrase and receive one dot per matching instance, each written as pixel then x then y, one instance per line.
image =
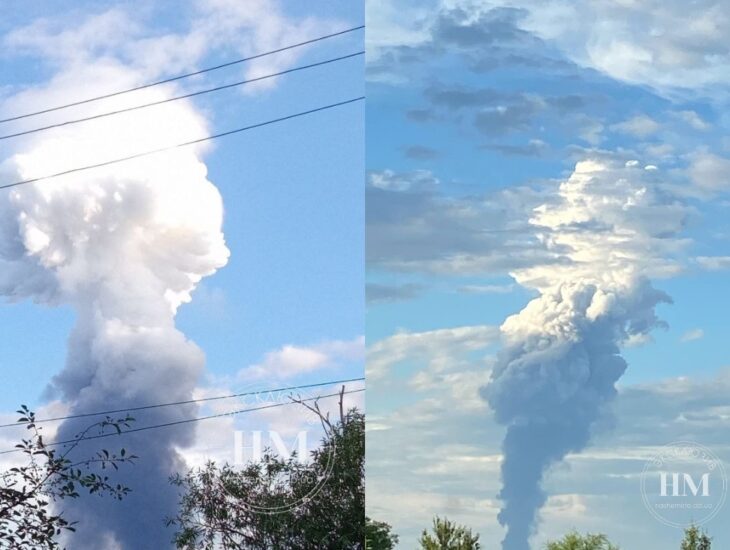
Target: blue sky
pixel 292 195
pixel 477 112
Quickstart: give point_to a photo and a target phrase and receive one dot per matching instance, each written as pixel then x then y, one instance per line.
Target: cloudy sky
pixel 522 154
pixel 229 266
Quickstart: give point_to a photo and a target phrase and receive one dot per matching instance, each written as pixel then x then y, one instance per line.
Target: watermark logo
pixel 250 446
pixel 683 484
pixel 273 461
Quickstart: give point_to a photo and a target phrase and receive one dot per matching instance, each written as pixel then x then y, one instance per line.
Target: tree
pixel 694 539
pixel 28 492
pixel 575 541
pixel 448 536
pixel 378 536
pixel 277 503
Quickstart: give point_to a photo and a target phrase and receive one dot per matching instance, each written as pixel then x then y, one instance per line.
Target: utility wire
pixel 185 96
pixel 182 76
pixel 186 421
pixel 185 144
pixel 187 402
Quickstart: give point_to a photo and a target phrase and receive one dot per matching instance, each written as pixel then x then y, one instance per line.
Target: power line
pixel 185 96
pixel 185 144
pixel 186 421
pixel 182 76
pixel 187 402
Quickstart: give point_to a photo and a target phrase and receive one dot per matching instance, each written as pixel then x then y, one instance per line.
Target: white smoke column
pixel 124 245
pixel 610 228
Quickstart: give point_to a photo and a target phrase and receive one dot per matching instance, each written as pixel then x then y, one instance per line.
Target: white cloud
pixel 655 43
pixel 464 386
pixel 92 37
pixel 389 180
pixel 693 119
pixel 443 350
pixel 128 37
pixel 709 172
pixel 612 222
pixel 691 335
pixel 660 150
pixel 486 289
pixel 591 130
pixel 714 263
pixel 387 25
pixel 570 507
pixel 290 361
pixel 260 25
pixel 640 126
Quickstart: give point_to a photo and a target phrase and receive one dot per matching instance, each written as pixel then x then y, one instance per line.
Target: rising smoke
pixel 124 245
pixel 612 228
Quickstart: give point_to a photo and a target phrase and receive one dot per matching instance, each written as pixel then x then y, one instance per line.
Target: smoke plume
pixel 124 245
pixel 612 228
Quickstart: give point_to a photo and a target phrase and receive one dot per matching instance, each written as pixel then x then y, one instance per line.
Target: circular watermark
pixel 261 449
pixel 684 484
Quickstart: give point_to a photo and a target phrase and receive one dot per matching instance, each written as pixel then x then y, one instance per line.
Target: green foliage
pixel 575 541
pixel 694 539
pixel 227 508
pixel 28 491
pixel 446 535
pixel 378 536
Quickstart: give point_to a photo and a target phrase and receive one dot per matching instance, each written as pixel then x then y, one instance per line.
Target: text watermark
pixel 684 483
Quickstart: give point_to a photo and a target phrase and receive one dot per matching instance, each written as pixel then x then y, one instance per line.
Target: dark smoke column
pixel 561 357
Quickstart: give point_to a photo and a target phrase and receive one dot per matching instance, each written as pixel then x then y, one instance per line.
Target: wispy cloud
pixel 290 361
pixel 713 263
pixel 486 289
pixel 640 126
pixel 692 335
pixel 443 349
pixel 380 293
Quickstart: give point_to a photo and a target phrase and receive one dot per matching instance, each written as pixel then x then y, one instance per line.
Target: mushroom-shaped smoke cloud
pixel 124 245
pixel 611 228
